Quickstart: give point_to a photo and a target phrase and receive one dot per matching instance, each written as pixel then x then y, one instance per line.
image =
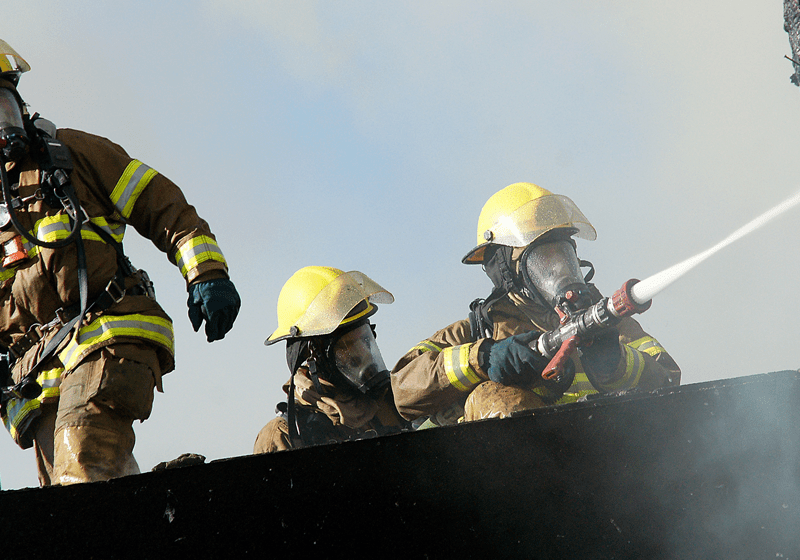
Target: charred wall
pixel 791 24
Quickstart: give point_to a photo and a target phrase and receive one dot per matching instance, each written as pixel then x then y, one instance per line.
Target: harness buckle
pixel 61 317
pixel 26 342
pixel 114 290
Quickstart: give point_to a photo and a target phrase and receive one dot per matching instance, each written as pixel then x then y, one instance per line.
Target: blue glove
pixel 216 301
pixel 513 362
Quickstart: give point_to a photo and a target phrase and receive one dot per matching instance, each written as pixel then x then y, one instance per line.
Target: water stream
pixel 647 288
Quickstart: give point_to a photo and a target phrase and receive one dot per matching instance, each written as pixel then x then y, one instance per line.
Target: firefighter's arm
pixel 136 194
pixel 132 192
pixel 162 214
pixel 438 372
pixel 643 362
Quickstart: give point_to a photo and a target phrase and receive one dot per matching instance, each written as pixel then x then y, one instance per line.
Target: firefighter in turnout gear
pixel 339 387
pixel 86 341
pixel 487 366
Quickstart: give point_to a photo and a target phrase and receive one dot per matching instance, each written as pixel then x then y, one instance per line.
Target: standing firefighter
pixel 78 321
pixel 485 366
pixel 339 387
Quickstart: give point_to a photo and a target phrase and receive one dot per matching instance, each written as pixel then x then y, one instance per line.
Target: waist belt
pixel 66 316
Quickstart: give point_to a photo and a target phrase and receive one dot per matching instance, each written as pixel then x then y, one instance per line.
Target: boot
pixel 91 454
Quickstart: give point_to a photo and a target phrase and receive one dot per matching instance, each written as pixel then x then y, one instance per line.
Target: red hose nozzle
pixel 622 303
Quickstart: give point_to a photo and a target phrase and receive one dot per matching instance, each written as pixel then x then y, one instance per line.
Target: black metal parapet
pixel 702 471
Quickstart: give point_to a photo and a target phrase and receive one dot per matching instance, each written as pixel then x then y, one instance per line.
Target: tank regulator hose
pixel 12 213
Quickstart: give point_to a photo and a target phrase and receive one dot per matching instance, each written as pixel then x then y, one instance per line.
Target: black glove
pixel 216 301
pixel 601 358
pixel 513 362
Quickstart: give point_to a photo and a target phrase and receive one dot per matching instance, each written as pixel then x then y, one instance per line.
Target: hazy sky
pixel 368 135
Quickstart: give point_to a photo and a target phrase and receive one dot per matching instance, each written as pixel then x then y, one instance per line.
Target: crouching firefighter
pixel 86 341
pixel 339 386
pixel 489 365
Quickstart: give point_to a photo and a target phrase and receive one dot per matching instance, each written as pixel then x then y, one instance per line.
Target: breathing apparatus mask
pixel 350 355
pixel 12 127
pixel 552 271
pixel 356 356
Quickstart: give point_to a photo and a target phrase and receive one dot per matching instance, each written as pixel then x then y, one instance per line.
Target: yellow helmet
pixel 316 300
pixel 521 213
pixel 11 62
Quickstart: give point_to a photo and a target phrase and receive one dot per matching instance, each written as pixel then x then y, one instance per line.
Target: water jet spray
pixel 633 297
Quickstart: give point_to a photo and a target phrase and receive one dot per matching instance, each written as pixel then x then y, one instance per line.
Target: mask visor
pixel 357 357
pixel 12 129
pixel 554 269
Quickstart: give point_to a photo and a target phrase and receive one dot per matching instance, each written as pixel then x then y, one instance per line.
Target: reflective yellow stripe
pixel 648 345
pixel 426 346
pixel 634 366
pixel 104 328
pixel 57 227
pixel 114 229
pixel 580 388
pixel 6 273
pixel 457 368
pixel 18 411
pixel 570 397
pixel 197 250
pixel 581 384
pixel 130 185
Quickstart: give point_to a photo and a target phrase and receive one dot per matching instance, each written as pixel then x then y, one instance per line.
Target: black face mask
pixel 553 270
pixel 12 128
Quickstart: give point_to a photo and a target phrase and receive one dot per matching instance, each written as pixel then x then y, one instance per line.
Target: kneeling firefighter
pixel 86 341
pixel 488 365
pixel 339 387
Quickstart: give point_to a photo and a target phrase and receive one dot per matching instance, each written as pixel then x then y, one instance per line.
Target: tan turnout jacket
pixel 115 191
pixel 435 377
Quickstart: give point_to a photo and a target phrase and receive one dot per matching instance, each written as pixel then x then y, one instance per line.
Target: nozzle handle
pixel 559 361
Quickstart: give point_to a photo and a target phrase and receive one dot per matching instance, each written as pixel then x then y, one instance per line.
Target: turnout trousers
pixel 88 435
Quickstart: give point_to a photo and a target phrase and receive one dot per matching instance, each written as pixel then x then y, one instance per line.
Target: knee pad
pixel 494 400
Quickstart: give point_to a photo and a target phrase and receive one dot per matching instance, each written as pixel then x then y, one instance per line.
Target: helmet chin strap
pixel 498 267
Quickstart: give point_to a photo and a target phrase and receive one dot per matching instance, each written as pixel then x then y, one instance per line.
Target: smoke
pixel 740 495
